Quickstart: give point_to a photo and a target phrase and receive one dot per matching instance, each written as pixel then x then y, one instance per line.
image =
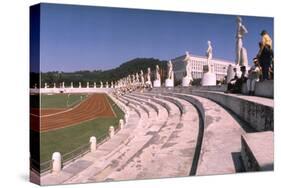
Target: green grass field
pixel 61 100
pixel 67 139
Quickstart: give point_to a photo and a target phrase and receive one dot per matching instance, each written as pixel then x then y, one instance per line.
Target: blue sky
pixel 87 38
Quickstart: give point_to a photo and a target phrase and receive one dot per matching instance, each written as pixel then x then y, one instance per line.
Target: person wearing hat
pixel 265 55
pixel 254 76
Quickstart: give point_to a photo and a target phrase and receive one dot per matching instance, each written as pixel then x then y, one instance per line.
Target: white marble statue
pixel 137 78
pixel 106 84
pixel 71 85
pixel 169 82
pixel 148 82
pixel 158 73
pixel 62 85
pixel 209 77
pixel 88 85
pixel 148 75
pixel 142 77
pixel 209 55
pixel 101 84
pixel 188 67
pixel 54 85
pixel 46 86
pixel 186 80
pixel 170 70
pixel 80 85
pixel 133 78
pixel 240 50
pixel 95 85
pixel 111 85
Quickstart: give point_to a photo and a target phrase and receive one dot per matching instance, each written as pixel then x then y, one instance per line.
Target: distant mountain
pixel 129 67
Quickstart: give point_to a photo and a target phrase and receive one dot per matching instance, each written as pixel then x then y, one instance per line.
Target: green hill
pixel 85 76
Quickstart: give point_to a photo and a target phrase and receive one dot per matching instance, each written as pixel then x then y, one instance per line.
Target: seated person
pixel 254 76
pixel 237 86
pixel 231 83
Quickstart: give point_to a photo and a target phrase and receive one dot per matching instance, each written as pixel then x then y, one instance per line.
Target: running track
pixel 94 106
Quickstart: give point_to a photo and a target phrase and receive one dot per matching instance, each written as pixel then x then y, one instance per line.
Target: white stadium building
pixel 197 62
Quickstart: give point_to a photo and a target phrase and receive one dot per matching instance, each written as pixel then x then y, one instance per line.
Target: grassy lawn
pixel 67 139
pixel 61 100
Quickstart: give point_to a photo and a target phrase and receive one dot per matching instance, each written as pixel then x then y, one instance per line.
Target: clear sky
pixel 87 38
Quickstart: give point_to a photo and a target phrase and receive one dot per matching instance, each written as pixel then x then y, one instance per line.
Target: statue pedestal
pixel 148 83
pixel 185 81
pixel 209 79
pixel 169 83
pixel 156 83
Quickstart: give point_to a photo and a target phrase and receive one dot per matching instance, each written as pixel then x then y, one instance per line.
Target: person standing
pixel 254 76
pixel 265 54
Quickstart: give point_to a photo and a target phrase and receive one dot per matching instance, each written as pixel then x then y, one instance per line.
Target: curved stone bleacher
pixel 170 134
pixel 105 151
pixel 256 111
pixel 154 99
pixel 134 106
pixel 171 152
pixel 253 114
pixel 137 104
pixel 148 103
pixel 221 137
pixel 103 164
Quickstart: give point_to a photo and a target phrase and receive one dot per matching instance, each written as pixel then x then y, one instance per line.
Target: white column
pixel 121 123
pixel 56 167
pixel 111 131
pixel 93 142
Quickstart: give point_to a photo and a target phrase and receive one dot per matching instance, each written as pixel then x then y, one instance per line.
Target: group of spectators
pixel 262 68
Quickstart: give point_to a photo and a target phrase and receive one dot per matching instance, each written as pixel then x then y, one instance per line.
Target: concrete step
pixel 170 152
pixel 152 113
pixel 162 113
pixel 256 111
pixel 257 151
pixel 220 139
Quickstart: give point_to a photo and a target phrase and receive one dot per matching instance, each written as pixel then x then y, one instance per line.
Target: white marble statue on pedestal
pixel 137 78
pixel 54 85
pixel 157 81
pixel 186 80
pixel 71 84
pixel 209 76
pixel 142 77
pixel 46 86
pixel 101 84
pixel 111 85
pixel 62 85
pixel 80 85
pixel 241 52
pixel 106 84
pixel 169 82
pixel 148 82
pixel 133 79
pixel 209 54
